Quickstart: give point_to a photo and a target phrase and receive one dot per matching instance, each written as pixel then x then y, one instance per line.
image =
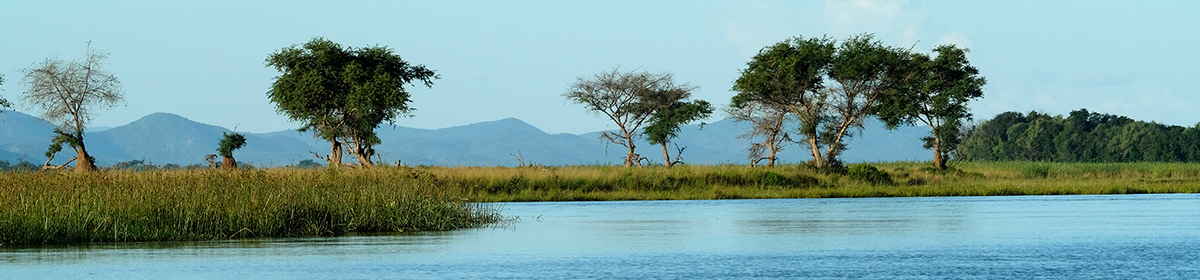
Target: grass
pixel 125 206
pixel 122 206
pixel 906 179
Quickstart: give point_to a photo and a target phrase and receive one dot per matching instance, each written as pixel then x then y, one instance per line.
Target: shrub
pixel 868 173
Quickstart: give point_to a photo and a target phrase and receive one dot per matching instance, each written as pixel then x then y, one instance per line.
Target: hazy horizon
pixel 498 60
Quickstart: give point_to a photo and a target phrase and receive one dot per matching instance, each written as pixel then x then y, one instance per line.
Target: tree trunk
pixel 364 159
pixel 228 163
pixel 629 156
pixel 816 152
pixel 666 156
pixel 335 154
pixel 771 158
pixel 83 162
pixel 939 158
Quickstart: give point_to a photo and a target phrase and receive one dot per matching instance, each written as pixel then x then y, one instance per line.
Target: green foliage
pixel 630 99
pixel 343 94
pixel 935 94
pixel 74 140
pixel 3 102
pixel 665 123
pixel 830 88
pixel 868 173
pixel 1082 136
pixel 230 142
pixel 181 205
pixel 308 164
pixel 790 75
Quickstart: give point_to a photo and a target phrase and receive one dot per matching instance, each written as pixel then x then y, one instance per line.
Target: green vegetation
pixel 125 206
pixel 344 94
pixel 229 143
pixel 900 179
pixel 68 93
pixel 631 99
pixel 1081 137
pixel 170 205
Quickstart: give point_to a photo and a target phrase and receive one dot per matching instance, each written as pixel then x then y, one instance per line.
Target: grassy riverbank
pixel 124 206
pixel 793 181
pixel 175 205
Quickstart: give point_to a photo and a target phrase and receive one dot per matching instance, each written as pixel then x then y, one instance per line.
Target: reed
pixel 499 184
pixel 124 206
pixel 163 205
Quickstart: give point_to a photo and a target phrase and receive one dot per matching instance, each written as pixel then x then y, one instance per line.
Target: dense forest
pixel 1082 136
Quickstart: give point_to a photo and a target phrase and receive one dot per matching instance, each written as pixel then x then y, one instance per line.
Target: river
pixel 1013 237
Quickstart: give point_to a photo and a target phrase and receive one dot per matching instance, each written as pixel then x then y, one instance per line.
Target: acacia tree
pixel 228 143
pixel 767 123
pixel 864 72
pixel 664 124
pixel 788 76
pixel 68 92
pixel 343 94
pixel 623 98
pixel 937 96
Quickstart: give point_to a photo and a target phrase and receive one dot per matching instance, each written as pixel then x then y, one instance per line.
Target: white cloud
pixel 888 19
pixel 955 37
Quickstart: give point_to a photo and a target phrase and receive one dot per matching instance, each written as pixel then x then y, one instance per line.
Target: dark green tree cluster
pixel 831 88
pixel 343 94
pixel 1082 136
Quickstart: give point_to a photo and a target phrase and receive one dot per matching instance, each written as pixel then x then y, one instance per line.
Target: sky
pixel 204 60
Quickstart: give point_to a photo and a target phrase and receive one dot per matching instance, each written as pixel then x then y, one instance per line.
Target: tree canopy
pixel 664 124
pixel 230 142
pixel 829 87
pixel 629 99
pixel 343 94
pixel 68 92
pixel 936 95
pixel 1082 136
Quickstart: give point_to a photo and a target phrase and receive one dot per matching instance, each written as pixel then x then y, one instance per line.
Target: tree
pixel 626 99
pixel 230 142
pixel 789 76
pixel 343 94
pixel 664 124
pixel 865 72
pixel 68 92
pixel 3 102
pixel 937 96
pixel 767 122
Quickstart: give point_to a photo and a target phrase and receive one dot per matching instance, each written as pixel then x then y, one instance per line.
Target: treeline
pixel 1082 136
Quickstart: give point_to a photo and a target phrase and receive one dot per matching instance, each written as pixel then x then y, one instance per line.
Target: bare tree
pixel 622 97
pixel 68 92
pixel 767 124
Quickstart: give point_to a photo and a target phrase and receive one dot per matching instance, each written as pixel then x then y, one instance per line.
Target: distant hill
pixel 162 138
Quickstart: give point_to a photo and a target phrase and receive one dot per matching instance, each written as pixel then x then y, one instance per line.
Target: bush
pixel 868 173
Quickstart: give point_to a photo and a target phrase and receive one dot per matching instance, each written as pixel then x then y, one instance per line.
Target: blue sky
pixel 498 59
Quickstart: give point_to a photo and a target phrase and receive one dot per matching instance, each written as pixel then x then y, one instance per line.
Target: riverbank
pixel 902 179
pixel 125 206
pixel 181 205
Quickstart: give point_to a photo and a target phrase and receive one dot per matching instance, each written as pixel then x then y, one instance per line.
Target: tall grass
pixel 798 181
pixel 121 206
pixel 116 206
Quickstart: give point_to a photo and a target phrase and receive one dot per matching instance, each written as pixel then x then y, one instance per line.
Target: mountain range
pixel 162 138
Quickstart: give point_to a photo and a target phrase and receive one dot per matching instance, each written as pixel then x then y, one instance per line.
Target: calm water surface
pixel 1024 237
